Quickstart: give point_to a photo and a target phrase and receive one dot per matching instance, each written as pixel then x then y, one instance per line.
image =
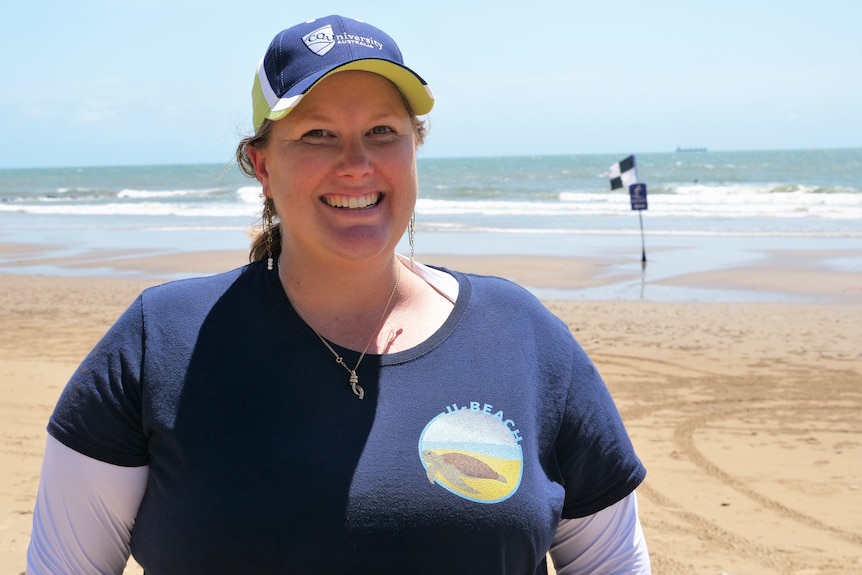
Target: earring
pixel 411 236
pixel 267 229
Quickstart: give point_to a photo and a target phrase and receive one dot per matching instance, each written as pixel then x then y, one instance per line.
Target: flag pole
pixel 643 242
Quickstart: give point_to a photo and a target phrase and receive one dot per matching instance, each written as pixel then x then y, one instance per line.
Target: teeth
pixel 352 202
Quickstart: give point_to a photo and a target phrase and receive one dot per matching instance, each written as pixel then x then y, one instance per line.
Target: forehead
pixel 352 90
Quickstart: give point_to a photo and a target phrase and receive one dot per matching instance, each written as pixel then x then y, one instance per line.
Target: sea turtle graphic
pixel 472 453
pixel 454 467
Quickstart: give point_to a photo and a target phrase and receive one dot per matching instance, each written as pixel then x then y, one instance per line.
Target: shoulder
pixel 495 290
pixel 203 288
pixel 497 299
pixel 488 286
pixel 192 299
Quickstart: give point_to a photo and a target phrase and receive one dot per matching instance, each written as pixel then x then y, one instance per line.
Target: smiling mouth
pixel 352 202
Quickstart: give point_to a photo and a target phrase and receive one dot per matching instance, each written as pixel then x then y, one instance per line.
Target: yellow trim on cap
pixel 415 92
pixel 259 105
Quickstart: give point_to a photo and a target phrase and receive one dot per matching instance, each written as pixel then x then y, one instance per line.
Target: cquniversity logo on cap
pixel 321 40
pixel 324 38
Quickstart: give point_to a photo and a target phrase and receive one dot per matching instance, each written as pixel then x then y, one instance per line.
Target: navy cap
pixel 301 56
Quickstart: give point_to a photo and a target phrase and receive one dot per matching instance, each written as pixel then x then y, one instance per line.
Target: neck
pixel 344 306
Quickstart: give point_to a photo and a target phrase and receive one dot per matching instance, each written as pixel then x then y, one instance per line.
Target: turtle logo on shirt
pixel 473 452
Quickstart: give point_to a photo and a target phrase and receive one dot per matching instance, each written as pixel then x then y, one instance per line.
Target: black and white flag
pixel 624 173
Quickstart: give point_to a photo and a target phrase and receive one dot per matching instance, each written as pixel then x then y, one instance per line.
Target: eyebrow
pixel 392 111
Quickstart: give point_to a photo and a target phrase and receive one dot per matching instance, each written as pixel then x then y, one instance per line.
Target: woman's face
pixel 341 169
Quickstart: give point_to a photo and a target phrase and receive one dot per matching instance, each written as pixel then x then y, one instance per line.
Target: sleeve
pixel 596 459
pixel 99 413
pixel 84 514
pixel 610 541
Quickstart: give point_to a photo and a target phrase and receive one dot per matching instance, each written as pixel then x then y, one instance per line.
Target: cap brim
pixel 417 93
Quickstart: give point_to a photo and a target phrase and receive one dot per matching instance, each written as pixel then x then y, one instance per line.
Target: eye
pixel 379 130
pixel 383 133
pixel 317 137
pixel 315 134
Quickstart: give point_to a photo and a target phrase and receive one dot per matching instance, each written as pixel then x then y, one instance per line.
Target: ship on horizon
pixel 689 149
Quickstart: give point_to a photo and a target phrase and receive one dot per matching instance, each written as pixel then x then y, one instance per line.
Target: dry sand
pixel 747 415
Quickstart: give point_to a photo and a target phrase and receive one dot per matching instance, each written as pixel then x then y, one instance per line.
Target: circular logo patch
pixel 472 454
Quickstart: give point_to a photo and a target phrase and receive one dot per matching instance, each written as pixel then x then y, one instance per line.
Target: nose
pixel 355 160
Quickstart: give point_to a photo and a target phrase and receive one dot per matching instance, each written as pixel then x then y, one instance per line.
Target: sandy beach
pixel 747 414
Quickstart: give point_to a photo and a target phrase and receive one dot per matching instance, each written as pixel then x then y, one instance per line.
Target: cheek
pixel 403 164
pixel 404 179
pixel 295 172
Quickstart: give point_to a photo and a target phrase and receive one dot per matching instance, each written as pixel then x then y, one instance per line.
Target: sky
pixel 130 82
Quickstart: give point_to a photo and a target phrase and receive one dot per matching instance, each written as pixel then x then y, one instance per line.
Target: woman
pixel 334 407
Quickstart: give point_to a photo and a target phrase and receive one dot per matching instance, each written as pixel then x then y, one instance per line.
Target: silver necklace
pixel 354 379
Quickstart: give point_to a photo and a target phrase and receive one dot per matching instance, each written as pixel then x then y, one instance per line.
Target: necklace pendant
pixel 354 385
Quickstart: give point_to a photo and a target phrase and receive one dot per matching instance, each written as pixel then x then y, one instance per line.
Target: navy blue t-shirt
pixel 462 457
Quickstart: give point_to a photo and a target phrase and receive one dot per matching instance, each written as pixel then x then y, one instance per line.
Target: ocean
pixel 548 205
